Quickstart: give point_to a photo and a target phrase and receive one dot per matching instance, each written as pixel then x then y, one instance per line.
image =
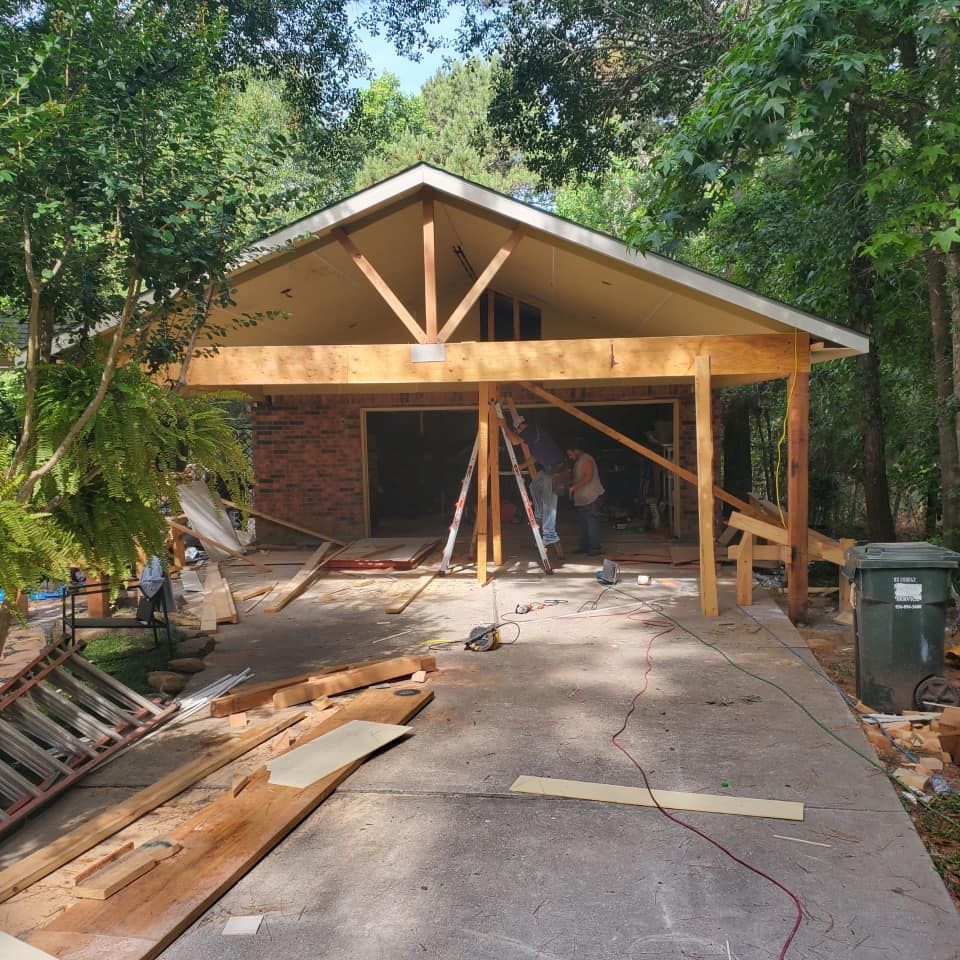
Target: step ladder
pixel 462 500
pixel 60 717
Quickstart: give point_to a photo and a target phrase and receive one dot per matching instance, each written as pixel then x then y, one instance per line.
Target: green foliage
pixel 448 126
pixel 585 81
pixel 129 656
pixel 106 495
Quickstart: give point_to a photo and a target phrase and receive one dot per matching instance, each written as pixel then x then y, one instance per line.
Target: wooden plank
pixel 745 571
pixel 709 601
pixel 98 828
pixel 493 457
pixel 249 696
pixel 429 266
pixel 252 592
pixel 284 523
pixel 419 585
pixel 631 444
pixel 221 843
pixel 216 591
pixel 670 799
pixel 301 580
pixel 798 491
pixel 103 861
pixel 482 282
pixel 220 546
pixel 115 876
pixel 762 552
pixel 483 480
pixel 379 284
pixel 208 615
pixel 379 672
pixel 509 361
pixel 759 528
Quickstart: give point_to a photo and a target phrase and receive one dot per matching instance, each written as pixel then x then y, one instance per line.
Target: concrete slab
pixel 424 852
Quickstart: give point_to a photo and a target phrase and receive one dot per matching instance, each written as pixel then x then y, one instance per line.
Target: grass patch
pixel 129 656
pixel 938 823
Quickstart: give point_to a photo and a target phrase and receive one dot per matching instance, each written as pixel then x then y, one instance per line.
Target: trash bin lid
pixel 878 556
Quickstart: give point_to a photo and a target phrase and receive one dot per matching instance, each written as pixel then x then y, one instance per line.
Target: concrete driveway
pixel 425 853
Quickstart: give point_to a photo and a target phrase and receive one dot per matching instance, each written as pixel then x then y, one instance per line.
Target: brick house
pixel 406 306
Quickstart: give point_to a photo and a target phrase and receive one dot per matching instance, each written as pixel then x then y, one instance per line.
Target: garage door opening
pixel 415 461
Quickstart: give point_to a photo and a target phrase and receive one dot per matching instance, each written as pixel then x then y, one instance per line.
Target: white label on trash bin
pixel 907 593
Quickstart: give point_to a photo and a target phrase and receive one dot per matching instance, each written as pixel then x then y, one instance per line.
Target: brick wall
pixel 308 451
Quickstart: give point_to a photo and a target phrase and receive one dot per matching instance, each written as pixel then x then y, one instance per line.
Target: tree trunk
pixel 944 372
pixel 876 487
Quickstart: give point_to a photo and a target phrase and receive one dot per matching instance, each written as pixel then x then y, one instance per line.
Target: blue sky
pixel 383 57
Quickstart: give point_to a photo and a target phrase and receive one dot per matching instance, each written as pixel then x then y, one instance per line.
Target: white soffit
pixel 407 183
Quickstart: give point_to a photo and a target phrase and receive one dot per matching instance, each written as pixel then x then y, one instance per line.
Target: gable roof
pixel 388 193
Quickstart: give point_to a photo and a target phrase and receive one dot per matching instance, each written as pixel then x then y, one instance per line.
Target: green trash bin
pixel 900 600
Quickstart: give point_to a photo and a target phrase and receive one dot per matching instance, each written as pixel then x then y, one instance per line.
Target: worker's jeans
pixel 589 528
pixel 545 505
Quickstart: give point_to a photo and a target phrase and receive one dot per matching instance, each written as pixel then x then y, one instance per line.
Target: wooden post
pixel 23 603
pixel 179 549
pixel 494 457
pixel 483 477
pixel 98 601
pixel 798 491
pixel 429 268
pixel 745 571
pixel 709 603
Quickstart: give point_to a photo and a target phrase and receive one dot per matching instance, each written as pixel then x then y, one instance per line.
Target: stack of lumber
pixel 212 851
pixel 936 735
pixel 325 682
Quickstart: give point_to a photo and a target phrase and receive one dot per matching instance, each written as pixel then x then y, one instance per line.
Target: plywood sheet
pixel 671 799
pixel 390 553
pixel 318 758
pixel 208 518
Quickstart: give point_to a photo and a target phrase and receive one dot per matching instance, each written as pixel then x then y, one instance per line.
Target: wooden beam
pixel 709 601
pixel 759 528
pixel 429 267
pixel 557 361
pixel 379 284
pixel 761 551
pixel 284 523
pixel 482 282
pixel 745 571
pixel 346 680
pixel 798 492
pixel 115 876
pixel 68 846
pixel 493 429
pixel 483 479
pixel 681 472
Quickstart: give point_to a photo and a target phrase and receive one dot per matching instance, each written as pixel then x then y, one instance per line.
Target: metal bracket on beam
pixel 427 352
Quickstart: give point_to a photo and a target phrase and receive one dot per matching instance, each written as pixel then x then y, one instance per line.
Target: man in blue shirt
pixel 550 460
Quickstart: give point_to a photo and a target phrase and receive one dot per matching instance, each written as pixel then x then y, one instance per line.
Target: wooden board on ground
pixel 379 672
pixel 642 556
pixel 121 873
pixel 301 580
pixel 249 696
pixel 325 755
pixel 252 592
pixel 670 799
pixel 68 846
pixel 366 554
pixel 221 843
pixel 414 590
pixel 217 595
